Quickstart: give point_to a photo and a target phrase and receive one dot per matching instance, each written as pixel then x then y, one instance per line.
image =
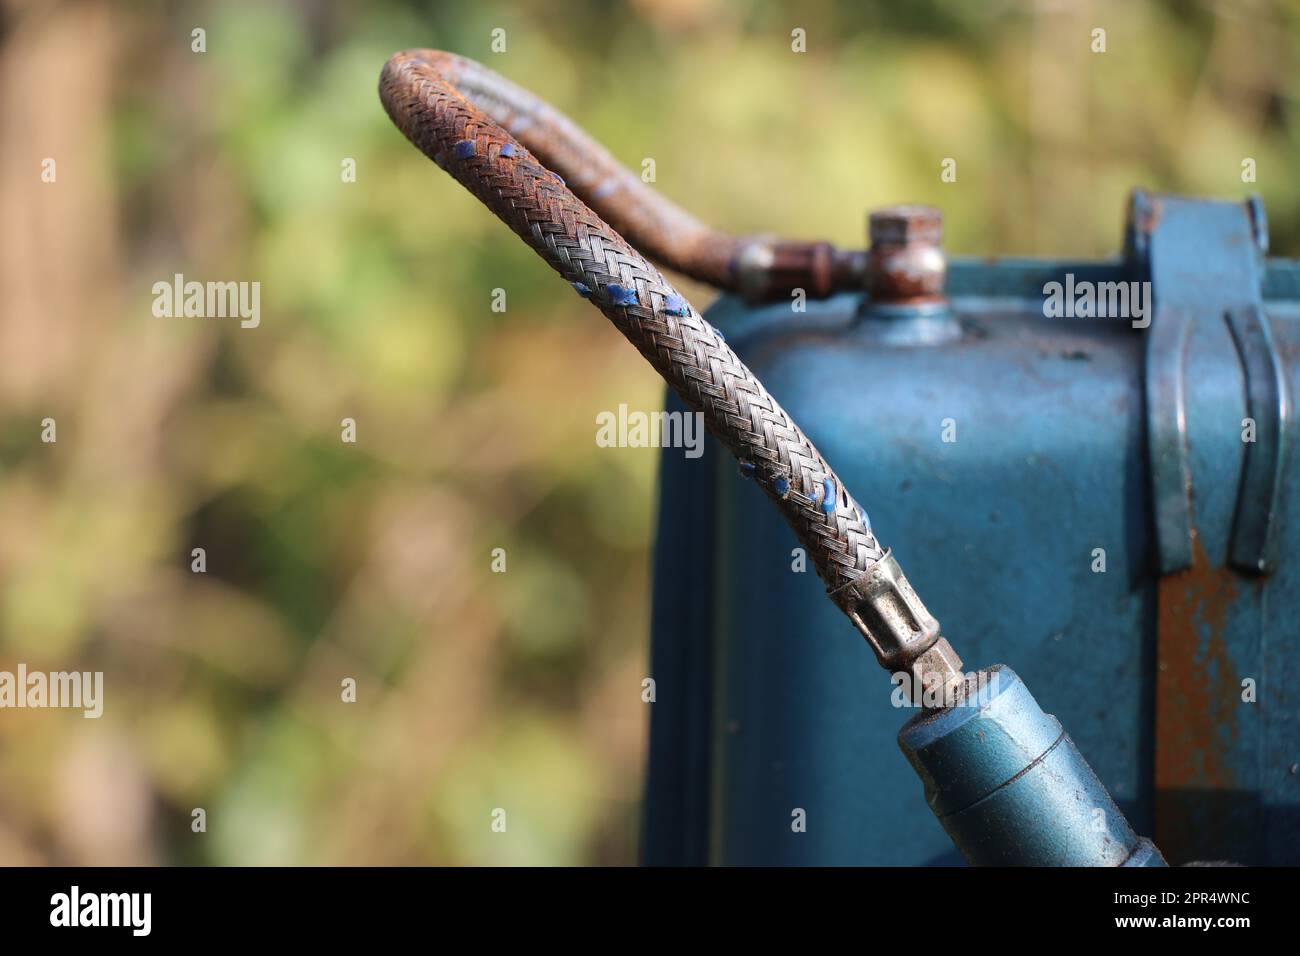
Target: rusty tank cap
pixel 905 224
pixel 906 264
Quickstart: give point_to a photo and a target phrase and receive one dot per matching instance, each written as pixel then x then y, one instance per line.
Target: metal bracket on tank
pixel 1218 512
pixel 1268 398
pixel 1204 262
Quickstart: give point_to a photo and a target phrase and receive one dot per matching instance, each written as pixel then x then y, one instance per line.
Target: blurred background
pixel 475 429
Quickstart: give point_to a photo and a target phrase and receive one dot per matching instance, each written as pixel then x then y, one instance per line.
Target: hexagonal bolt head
pixel 901 225
pixel 937 675
pixel 905 263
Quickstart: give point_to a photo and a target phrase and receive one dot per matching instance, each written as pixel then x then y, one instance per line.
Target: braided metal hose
pixel 755 266
pixel 442 103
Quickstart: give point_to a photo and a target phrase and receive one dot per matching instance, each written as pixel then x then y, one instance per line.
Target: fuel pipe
pixel 1004 779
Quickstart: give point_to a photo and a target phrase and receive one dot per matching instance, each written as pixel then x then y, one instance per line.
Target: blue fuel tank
pixel 1102 502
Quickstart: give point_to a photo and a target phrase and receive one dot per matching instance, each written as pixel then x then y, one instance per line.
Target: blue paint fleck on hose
pixel 747 469
pixel 582 289
pixel 828 496
pixel 781 486
pixel 558 178
pixel 862 516
pixel 620 295
pixel 464 149
pixel 676 305
pixel 509 150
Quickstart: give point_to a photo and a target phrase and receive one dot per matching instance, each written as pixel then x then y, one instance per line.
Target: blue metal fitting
pixel 1009 786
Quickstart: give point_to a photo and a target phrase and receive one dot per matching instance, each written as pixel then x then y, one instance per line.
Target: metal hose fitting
pixel 454 109
pixel 1009 786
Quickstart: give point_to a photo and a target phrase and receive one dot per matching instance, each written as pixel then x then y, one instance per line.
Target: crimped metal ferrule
pixel 883 606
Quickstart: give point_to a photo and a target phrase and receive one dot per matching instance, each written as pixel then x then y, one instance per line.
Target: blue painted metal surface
pixel 1011 789
pixel 768 703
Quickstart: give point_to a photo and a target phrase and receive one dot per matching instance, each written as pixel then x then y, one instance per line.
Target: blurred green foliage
pixel 372 560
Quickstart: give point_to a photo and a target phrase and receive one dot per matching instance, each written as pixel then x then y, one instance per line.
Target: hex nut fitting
pixel 936 677
pixel 767 268
pixel 906 264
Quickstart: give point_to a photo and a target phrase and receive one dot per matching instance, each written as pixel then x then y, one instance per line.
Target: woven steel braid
pixel 685 349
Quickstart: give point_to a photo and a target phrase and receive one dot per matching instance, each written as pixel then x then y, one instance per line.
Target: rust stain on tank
pixel 1196 693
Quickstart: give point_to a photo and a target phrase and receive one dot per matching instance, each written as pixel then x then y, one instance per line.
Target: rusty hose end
pixel 395 92
pixel 766 269
pixel 905 264
pixel 849 270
